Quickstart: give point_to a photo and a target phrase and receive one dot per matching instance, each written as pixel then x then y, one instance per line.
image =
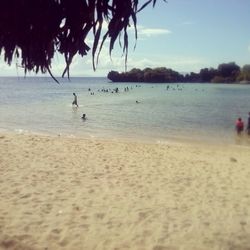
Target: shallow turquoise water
pixel 185 111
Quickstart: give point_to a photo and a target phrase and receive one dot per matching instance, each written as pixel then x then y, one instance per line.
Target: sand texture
pixel 72 193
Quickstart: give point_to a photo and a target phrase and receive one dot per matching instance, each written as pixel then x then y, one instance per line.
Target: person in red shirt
pixel 239 125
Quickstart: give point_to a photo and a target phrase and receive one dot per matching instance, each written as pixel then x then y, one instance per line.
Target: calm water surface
pixel 184 111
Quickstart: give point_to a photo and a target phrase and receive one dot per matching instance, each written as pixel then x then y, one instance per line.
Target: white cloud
pixel 83 66
pixel 184 23
pixel 142 31
pixel 178 63
pixel 186 64
pixel 13 69
pixel 142 63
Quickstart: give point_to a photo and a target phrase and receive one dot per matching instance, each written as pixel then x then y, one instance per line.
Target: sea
pixel 152 112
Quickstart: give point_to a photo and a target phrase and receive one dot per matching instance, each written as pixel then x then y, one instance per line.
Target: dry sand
pixel 71 193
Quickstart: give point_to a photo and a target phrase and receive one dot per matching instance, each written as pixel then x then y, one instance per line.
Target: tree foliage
pixel 34 30
pixel 245 73
pixel 225 73
pixel 229 71
pixel 160 75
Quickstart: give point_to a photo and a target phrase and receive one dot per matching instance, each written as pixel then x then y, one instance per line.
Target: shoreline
pixel 195 139
pixel 69 193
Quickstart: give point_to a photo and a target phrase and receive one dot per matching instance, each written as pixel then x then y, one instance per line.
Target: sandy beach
pixel 75 193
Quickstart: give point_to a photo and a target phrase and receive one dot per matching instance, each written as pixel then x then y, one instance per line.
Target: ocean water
pixel 204 112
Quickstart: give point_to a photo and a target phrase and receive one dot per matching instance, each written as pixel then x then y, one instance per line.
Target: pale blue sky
pixel 185 35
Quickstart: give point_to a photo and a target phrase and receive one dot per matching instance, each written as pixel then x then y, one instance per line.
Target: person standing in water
pixel 239 126
pixel 248 124
pixel 75 100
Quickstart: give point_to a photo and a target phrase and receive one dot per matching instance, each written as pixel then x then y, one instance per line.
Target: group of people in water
pixel 75 103
pixel 239 125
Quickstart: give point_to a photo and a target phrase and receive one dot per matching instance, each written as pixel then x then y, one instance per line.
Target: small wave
pixel 21 131
pixel 162 142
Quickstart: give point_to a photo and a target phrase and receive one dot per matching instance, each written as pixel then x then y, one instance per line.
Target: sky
pixel 184 35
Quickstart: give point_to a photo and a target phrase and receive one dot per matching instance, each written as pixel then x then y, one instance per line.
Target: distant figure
pixel 75 100
pixel 137 101
pixel 83 116
pixel 248 124
pixel 239 126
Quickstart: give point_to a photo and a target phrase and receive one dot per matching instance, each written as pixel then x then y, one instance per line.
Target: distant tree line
pixel 225 73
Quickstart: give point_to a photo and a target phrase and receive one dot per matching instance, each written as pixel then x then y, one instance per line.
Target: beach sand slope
pixel 71 193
